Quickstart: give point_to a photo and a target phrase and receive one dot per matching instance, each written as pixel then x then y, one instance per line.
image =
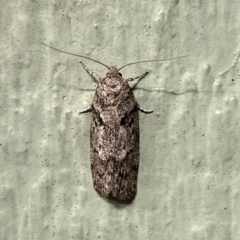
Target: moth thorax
pixel 112 84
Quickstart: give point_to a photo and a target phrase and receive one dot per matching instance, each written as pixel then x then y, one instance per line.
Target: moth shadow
pixel 117 203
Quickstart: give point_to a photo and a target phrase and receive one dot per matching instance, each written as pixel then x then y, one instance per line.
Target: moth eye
pixel 120 74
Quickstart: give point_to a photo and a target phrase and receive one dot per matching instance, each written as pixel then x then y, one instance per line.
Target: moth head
pixel 113 71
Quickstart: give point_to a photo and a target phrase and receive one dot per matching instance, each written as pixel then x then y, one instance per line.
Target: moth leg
pixel 95 77
pixel 89 109
pixel 144 110
pixel 139 79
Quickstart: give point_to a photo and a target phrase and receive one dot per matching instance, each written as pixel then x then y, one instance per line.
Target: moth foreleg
pixel 139 79
pixel 95 77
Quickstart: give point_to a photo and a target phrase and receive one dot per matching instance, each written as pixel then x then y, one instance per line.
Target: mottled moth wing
pixel 114 137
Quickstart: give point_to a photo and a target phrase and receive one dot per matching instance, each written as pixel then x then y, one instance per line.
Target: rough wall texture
pixel 189 182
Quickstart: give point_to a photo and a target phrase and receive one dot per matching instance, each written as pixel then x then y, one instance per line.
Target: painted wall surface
pixel 189 181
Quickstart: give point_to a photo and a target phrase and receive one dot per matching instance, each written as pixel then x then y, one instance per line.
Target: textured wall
pixel 189 179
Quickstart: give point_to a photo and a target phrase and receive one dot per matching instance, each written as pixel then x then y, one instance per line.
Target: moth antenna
pixel 151 61
pixel 75 55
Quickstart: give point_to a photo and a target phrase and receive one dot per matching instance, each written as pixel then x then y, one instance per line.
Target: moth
pixel 114 132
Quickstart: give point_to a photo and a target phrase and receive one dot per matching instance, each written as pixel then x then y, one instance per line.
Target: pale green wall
pixel 189 181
